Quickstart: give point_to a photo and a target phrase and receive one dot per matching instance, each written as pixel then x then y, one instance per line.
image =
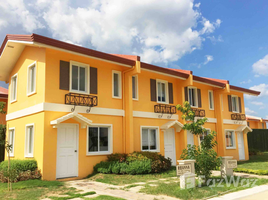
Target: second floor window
pixel 135 87
pixel 14 83
pixel 211 100
pixel 235 104
pixel 31 79
pixel 162 91
pixel 116 84
pixel 192 92
pixel 79 77
pixel 202 137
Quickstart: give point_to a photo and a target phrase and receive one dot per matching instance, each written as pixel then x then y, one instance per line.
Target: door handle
pixel 75 151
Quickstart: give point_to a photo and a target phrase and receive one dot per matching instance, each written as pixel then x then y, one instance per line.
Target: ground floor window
pixel 201 137
pixel 230 139
pixel 11 139
pixel 149 139
pixel 99 139
pixel 29 140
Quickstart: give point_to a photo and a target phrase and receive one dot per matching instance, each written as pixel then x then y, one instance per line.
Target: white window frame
pixel 209 132
pixel 237 104
pixel 13 142
pixel 212 100
pixel 29 80
pixel 11 89
pixel 166 91
pixel 26 152
pixel 87 76
pixel 196 97
pixel 136 87
pixel 157 137
pixel 233 137
pixel 110 140
pixel 119 84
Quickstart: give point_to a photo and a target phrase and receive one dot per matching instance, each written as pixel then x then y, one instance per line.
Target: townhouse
pixel 69 106
pixel 256 122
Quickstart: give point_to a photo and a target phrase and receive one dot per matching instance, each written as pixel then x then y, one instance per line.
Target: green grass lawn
pixel 256 162
pixel 115 179
pixel 173 189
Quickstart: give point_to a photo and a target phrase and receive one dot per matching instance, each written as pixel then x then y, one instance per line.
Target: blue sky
pixel 222 39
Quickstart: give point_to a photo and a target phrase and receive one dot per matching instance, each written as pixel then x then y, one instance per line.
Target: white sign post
pixel 182 169
pixel 227 166
pixel 187 181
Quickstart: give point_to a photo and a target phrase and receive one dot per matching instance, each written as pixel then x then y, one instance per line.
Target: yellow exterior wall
pixel 86 163
pixel 28 57
pixel 20 132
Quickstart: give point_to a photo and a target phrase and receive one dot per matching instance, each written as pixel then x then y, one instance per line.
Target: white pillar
pixel 187 181
pixel 225 171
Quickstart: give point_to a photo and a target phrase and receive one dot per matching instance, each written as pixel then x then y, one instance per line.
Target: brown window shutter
pixel 64 75
pixel 199 98
pixel 239 102
pixel 230 103
pixel 170 92
pixel 93 80
pixel 153 89
pixel 186 94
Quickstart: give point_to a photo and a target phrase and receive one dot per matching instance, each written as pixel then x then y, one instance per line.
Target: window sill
pixel 79 92
pixel 235 112
pixel 99 154
pixel 151 150
pixel 135 99
pixel 32 93
pixel 13 101
pixel 162 102
pixel 211 109
pixel 230 148
pixel 117 97
pixel 28 156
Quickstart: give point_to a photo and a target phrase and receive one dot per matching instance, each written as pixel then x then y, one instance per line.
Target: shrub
pixel 252 171
pixel 134 163
pixel 121 157
pixel 16 176
pixel 20 165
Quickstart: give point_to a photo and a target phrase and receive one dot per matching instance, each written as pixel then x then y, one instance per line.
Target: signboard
pixel 232 164
pixel 182 169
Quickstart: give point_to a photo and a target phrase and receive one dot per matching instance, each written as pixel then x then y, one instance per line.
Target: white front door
pixel 190 138
pixel 241 148
pixel 170 149
pixel 67 151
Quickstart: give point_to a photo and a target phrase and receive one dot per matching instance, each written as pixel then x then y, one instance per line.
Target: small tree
pixel 205 155
pixel 8 147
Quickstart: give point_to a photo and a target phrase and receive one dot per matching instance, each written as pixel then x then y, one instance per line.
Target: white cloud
pixel 209 58
pixel 245 82
pixel 214 39
pixel 158 31
pixel 13 13
pixel 266 117
pixel 197 5
pixel 257 103
pixel 261 66
pixel 249 112
pixel 263 88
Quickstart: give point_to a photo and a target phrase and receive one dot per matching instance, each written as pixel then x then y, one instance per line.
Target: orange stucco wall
pixel 126 128
pixel 257 124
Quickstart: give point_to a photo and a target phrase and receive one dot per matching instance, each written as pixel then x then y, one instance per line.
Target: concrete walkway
pixel 115 191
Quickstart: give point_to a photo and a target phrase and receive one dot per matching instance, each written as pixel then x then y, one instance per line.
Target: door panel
pixel 241 148
pixel 170 149
pixel 67 158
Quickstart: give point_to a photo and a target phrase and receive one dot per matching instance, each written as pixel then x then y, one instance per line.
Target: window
pixel 201 137
pixel 211 100
pixel 29 143
pixel 149 139
pixel 162 91
pixel 99 140
pixel 248 124
pixel 235 104
pixel 262 125
pixel 116 84
pixel 230 139
pixel 135 87
pixel 14 83
pixel 79 77
pixel 192 96
pixel 31 79
pixel 11 140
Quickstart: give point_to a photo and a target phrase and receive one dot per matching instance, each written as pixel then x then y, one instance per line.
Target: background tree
pixel 204 154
